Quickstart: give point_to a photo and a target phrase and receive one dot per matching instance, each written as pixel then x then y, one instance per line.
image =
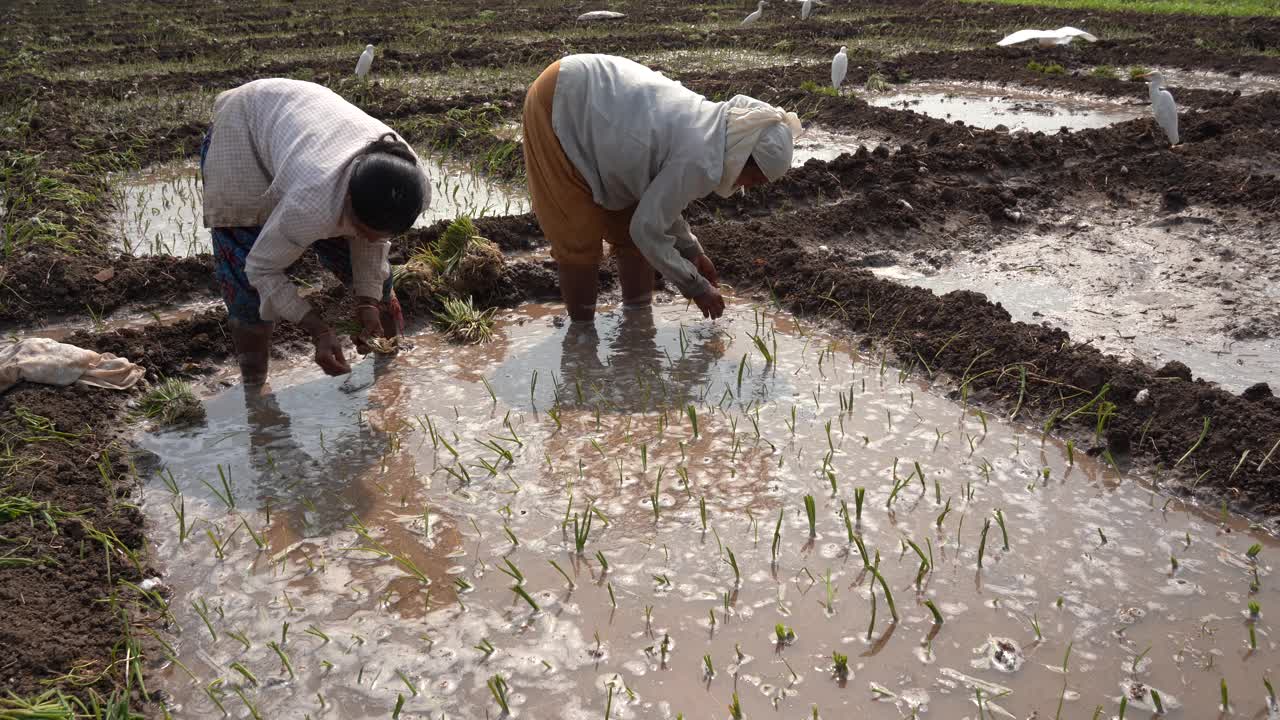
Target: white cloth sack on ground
pixel 41 360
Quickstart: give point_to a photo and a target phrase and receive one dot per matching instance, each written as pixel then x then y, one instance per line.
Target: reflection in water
pixel 636 374
pixel 407 550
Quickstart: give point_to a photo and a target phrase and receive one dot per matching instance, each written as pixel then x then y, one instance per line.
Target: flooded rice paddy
pixel 1014 108
pixel 652 516
pixel 160 209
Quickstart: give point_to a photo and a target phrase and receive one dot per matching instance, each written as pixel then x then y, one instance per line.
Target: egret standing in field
pixel 805 8
pixel 755 15
pixel 839 68
pixel 1163 106
pixel 1047 38
pixel 365 62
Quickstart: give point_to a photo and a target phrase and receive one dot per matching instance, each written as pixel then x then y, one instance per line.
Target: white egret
pixel 839 68
pixel 1162 105
pixel 601 15
pixel 755 15
pixel 805 8
pixel 1048 38
pixel 365 62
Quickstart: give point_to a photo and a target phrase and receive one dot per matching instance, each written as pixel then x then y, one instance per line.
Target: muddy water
pixel 456 190
pixel 126 319
pixel 828 144
pixel 1246 83
pixel 1014 108
pixel 1195 287
pixel 160 209
pixel 385 553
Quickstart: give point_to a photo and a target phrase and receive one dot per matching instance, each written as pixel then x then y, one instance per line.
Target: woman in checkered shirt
pixel 290 165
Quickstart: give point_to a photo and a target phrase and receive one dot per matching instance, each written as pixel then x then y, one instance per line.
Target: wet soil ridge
pixel 1036 373
pixel 940 170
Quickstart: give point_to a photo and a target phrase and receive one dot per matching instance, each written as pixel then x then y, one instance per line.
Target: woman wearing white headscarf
pixel 616 151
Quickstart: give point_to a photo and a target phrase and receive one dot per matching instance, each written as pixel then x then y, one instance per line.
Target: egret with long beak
pixel 365 62
pixel 1047 38
pixel 839 68
pixel 1163 106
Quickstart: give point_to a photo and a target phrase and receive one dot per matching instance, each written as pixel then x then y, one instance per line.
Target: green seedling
pixel 1255 610
pixel 884 587
pixel 524 595
pixel 785 635
pixel 582 529
pixel 777 537
pixel 937 615
pixel 982 543
pixel 1004 533
pixel 735 708
pixel 498 687
pixel 284 657
pixel 463 322
pixel 840 664
pixel 942 516
pixel 848 523
pixel 692 412
pixel 225 495
pixel 244 672
pixel 1204 430
pixel 512 571
pixel 563 574
pixel 486 647
pixel 1252 552
pixel 810 511
pixel 733 563
pixel 859 494
pixel 1226 700
pixel 708 670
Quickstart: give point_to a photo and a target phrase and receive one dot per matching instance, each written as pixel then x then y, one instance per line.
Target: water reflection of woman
pixel 639 373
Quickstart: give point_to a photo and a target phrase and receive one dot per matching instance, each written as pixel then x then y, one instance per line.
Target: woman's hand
pixel 328 347
pixel 329 353
pixel 707 269
pixel 711 303
pixel 369 316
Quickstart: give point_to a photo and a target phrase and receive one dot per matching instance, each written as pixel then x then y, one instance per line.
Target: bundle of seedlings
pixel 460 262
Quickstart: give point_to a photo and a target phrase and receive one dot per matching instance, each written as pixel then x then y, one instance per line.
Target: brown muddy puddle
pixel 1194 287
pixel 128 318
pixel 827 144
pixel 388 563
pixel 1246 83
pixel 160 209
pixel 1017 109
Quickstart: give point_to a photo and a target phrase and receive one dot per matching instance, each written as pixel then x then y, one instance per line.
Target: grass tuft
pixel 172 402
pixel 462 321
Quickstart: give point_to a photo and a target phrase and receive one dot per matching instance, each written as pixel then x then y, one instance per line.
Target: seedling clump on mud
pixel 172 402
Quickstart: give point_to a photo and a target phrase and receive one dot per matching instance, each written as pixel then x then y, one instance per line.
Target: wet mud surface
pixel 1135 255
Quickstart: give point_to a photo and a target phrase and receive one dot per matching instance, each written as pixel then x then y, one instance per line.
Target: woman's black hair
pixel 388 190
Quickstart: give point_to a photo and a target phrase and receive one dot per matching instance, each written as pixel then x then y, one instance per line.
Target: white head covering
pixel 760 130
